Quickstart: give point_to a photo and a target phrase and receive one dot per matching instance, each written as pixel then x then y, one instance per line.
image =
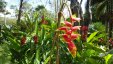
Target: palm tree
pixel 104 10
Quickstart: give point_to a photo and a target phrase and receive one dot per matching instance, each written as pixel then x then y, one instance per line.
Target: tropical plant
pixel 2 5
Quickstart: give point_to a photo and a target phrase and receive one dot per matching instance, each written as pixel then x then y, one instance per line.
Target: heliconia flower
pixel 42 19
pixel 68 23
pixel 112 43
pixel 23 40
pixel 84 28
pixel 69 32
pixel 75 28
pixel 74 36
pixel 69 36
pixel 74 19
pixel 72 49
pixel 44 22
pixel 35 38
pixel 84 37
pixel 110 40
pixel 100 39
pixel 63 28
pixel 66 38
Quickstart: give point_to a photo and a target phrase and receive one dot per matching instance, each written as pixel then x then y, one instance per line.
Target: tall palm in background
pixel 104 11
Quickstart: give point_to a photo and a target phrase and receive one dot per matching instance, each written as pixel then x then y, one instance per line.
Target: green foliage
pixel 5 54
pixel 30 53
pixel 44 52
pixel 39 7
pixel 101 8
pixel 2 5
pixel 97 26
pixel 91 36
pixel 109 59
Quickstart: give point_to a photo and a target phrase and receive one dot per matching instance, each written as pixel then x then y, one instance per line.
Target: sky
pixel 34 3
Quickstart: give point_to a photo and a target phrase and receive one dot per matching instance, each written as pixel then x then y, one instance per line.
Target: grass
pixel 9 21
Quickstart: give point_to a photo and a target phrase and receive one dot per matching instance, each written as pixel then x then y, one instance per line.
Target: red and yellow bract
pixel 69 35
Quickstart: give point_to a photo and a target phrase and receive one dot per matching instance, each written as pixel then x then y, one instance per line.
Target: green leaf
pixel 92 46
pixel 101 8
pixel 91 61
pixel 107 58
pixel 29 56
pixel 111 51
pixel 36 28
pixel 91 36
pixel 47 59
pixel 13 44
pixel 42 34
pixel 37 59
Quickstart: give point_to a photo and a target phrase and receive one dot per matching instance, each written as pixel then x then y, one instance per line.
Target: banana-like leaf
pixel 91 36
pixel 101 8
pixel 108 59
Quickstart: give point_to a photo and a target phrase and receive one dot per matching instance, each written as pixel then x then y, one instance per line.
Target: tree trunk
pixel 74 7
pixel 110 28
pixel 110 17
pixel 20 11
pixel 88 13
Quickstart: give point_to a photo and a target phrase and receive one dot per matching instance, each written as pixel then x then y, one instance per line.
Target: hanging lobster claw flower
pixel 75 28
pixel 84 28
pixel 68 23
pixel 74 36
pixel 72 49
pixel 35 38
pixel 74 19
pixel 69 32
pixel 66 38
pixel 69 36
pixel 84 37
pixel 110 40
pixel 63 28
pixel 23 40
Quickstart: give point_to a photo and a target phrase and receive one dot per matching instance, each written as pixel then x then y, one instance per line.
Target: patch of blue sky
pixel 49 4
pixel 34 3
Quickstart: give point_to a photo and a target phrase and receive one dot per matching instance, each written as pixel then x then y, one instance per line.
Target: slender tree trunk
pixel 81 12
pixel 88 13
pixel 110 21
pixel 20 11
pixel 110 28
